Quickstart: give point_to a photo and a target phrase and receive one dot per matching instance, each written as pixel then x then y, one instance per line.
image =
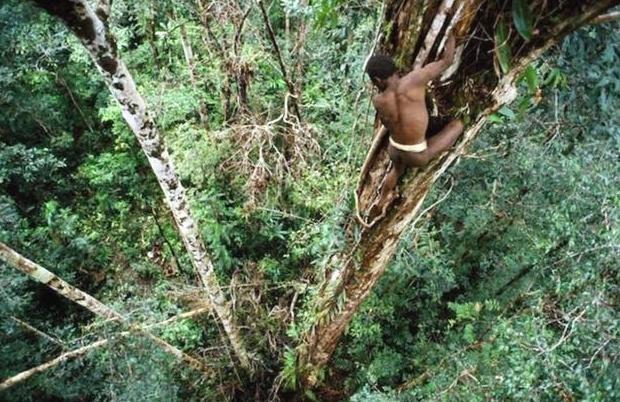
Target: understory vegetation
pixel 505 288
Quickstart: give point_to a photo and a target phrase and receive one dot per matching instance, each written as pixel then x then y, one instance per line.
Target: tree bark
pixel 414 34
pixel 91 29
pixel 42 275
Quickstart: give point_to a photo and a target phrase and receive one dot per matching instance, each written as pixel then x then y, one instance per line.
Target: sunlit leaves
pixel 325 12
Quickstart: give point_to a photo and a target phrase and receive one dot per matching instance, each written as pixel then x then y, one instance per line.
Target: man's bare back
pixel 401 106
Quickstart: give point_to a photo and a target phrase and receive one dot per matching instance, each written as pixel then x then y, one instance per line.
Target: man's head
pixel 379 69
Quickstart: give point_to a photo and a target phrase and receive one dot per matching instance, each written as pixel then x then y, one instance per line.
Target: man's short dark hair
pixel 380 66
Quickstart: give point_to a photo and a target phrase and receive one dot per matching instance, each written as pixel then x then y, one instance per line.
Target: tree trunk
pixel 298 51
pixel 151 23
pixel 91 29
pixel 243 71
pixel 478 84
pixel 227 49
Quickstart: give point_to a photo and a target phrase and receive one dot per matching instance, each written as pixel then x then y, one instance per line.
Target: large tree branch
pixel 26 374
pixel 47 278
pixel 99 42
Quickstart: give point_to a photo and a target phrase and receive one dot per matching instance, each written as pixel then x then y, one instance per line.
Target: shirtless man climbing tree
pixel 401 107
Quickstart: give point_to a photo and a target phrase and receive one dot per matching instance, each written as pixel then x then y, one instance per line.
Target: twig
pixel 286 214
pixel 378 36
pixel 39 332
pixel 568 330
pixel 163 235
pixel 614 15
pixel 597 352
pixel 556 123
pixel 580 253
pixel 239 31
pixel 62 82
pixel 24 375
pixel 433 205
pixel 182 316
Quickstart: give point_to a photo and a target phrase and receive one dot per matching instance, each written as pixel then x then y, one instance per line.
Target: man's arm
pixel 433 70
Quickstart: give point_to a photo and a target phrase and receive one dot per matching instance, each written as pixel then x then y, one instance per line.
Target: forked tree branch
pixel 47 278
pixel 26 374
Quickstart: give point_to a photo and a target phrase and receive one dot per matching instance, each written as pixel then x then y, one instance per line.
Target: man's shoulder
pixel 410 85
pixel 411 79
pixel 381 98
pixel 386 95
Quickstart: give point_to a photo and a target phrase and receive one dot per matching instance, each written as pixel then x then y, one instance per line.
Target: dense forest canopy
pixel 180 175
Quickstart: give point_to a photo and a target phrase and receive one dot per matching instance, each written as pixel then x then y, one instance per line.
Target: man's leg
pixel 387 189
pixel 444 139
pixel 436 145
pixel 391 179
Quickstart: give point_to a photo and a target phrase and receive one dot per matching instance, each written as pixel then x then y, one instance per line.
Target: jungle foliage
pixel 506 289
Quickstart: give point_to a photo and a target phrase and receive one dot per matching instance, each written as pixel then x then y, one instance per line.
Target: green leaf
pixel 310 395
pixel 506 111
pixel 555 78
pixel 495 118
pixel 468 334
pixel 531 79
pixel 522 17
pixel 502 50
